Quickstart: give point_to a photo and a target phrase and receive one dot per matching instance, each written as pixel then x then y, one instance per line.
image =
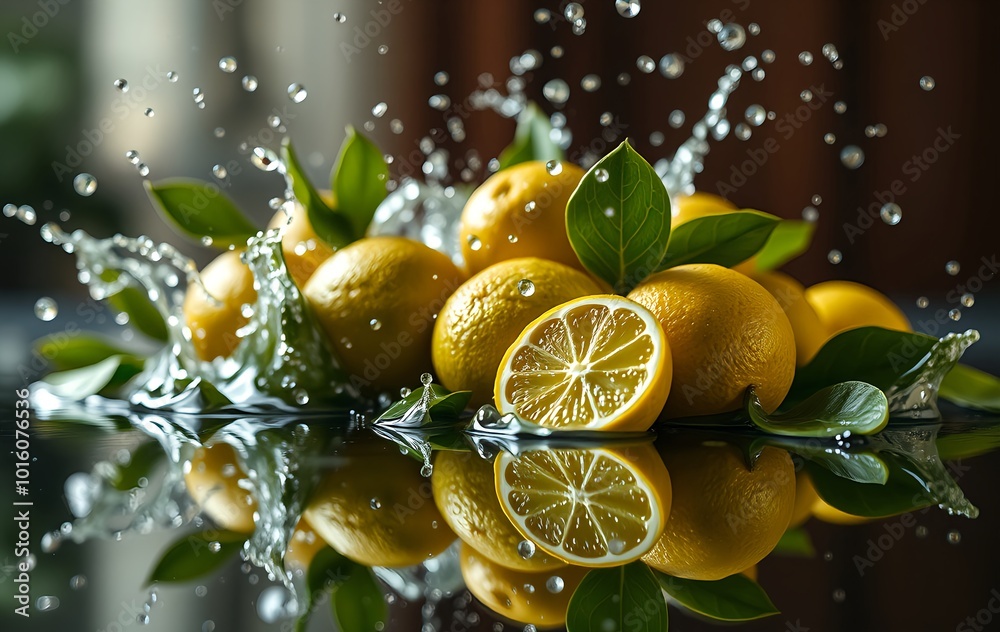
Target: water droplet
pixel 427 470
pixel 512 239
pixel 439 102
pixel 817 199
pixel 149 113
pixel 955 314
pixel 921 531
pixel 441 78
pixel 200 591
pixel 656 139
pixel 426 379
pixel 214 547
pixel 676 119
pixel 78 582
pixel 375 503
pixel 556 52
pixel 121 85
pixel 227 64
pixel 297 92
pixel 927 83
pixel 47 602
pixel 379 109
pixel 968 300
pixel 396 126
pixel 132 156
pixel 250 83
pixel 274 121
pixel 474 243
pixel 852 156
pixel 555 584
pixel 623 79
pixel 923 302
pixel 834 256
pixel 525 287
pixel 84 184
pixel 601 175
pixel 554 167
pixel 954 537
pixel 732 36
pixel 671 66
pixel 749 63
pixel 525 548
pixel 628 8
pixel 556 91
pixel 828 556
pixel 46 309
pixel 339 17
pixel 143 169
pixel 952 267
pixel 891 213
pixel 573 11
pixel 219 132
pixel 830 52
pixel 590 83
pixel 543 16
pixel 172 76
pixel 645 64
pixel 839 107
pixel 758 74
pixel 219 172
pixel 264 159
pixel 208 626
pixel 839 595
pixel 529 208
pixel 375 324
pixel 143 619
pixel 383 49
pixel 768 56
pixel 755 114
pixel 805 58
pixel 829 138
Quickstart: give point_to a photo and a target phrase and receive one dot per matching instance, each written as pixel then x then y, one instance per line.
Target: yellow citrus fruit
pixel 376 509
pixel 303 249
pixel 592 363
pixel 725 334
pixel 685 208
pixel 465 493
pixel 216 480
pixel 750 573
pixel 213 312
pixel 519 212
pixel 805 498
pixel 537 598
pixel 590 507
pixel 303 546
pixel 377 299
pixel 485 315
pixel 843 305
pixel 809 331
pixel 828 513
pixel 725 517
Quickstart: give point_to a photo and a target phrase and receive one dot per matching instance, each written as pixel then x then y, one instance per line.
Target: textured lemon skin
pixel 496 225
pixel 805 497
pixel 724 518
pixel 213 481
pixel 299 235
pixel 214 323
pixel 810 332
pixel 843 305
pixel 725 333
pixel 465 493
pixel 486 314
pixel 376 300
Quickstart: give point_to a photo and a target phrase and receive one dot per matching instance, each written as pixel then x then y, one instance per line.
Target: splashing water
pixel 915 393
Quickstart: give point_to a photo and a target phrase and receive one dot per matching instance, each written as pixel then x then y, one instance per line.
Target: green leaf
pixel 790 239
pixel 200 209
pixel 870 354
pixel 358 604
pixel 971 388
pixel 327 568
pixel 192 556
pixel 620 227
pixel 902 492
pixel 855 406
pixel 725 239
pixel 331 226
pixel 109 373
pixel 795 541
pixel 733 598
pixel 358 180
pixel 144 458
pixel 65 353
pixel 443 403
pixel 531 139
pixel 621 598
pixel 142 314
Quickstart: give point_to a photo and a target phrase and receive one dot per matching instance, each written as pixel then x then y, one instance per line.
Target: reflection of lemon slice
pixel 595 363
pixel 594 507
pixel 538 598
pixel 216 480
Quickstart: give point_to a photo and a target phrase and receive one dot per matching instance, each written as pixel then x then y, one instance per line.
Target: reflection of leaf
pixel 971 388
pixel 79 383
pixel 725 239
pixel 901 492
pixel 358 604
pixel 443 404
pixel 200 209
pixel 531 139
pixel 795 541
pixel 849 406
pixel 193 556
pixel 733 598
pixel 626 597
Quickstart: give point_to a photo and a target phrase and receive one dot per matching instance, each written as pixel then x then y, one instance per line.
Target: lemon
pixel 216 480
pixel 725 333
pixel 724 517
pixel 536 598
pixel 592 363
pixel 805 498
pixel 303 545
pixel 591 507
pixel 377 299
pixel 303 249
pixel 843 305
pixel 376 509
pixel 685 208
pixel 213 313
pixel 519 212
pixel 828 513
pixel 809 331
pixel 465 493
pixel 487 312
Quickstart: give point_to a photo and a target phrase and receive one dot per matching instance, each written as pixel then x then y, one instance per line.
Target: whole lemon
pixel 213 313
pixel 725 517
pixel 725 333
pixel 216 480
pixel 465 493
pixel 487 313
pixel 519 212
pixel 843 305
pixel 805 498
pixel 685 208
pixel 303 546
pixel 810 332
pixel 303 249
pixel 377 299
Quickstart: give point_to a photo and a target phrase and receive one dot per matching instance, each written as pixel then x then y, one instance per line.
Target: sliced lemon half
pixel 593 363
pixel 590 507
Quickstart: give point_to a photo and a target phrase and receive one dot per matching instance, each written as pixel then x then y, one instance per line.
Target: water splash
pixel 915 393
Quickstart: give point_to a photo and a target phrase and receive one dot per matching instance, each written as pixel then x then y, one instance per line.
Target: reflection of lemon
pixel 376 509
pixel 377 299
pixel 828 513
pixel 303 249
pixel 810 332
pixel 519 212
pixel 303 546
pixel 724 517
pixel 725 333
pixel 843 305
pixel 590 507
pixel 484 316
pixel 214 318
pixel 217 481
pixel 594 363
pixel 538 598
pixel 805 498
pixel 465 493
